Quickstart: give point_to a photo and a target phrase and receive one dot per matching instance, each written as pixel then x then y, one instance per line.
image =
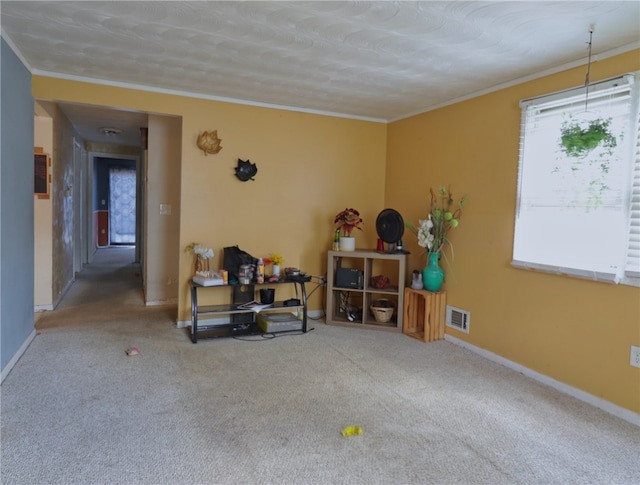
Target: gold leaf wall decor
pixel 209 142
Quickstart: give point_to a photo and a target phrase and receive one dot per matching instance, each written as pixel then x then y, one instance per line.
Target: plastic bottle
pixel 336 240
pixel 260 271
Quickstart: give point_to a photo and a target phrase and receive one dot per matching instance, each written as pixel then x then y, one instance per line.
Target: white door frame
pixel 79 206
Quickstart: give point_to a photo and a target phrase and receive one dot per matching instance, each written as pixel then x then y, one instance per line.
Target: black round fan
pixel 390 226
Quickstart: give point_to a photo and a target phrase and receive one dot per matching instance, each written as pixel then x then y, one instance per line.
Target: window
pixel 578 207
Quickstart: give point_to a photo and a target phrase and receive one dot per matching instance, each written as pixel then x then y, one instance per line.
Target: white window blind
pixel 578 213
pixel 632 268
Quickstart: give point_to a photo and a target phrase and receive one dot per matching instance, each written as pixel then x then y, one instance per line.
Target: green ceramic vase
pixel 433 274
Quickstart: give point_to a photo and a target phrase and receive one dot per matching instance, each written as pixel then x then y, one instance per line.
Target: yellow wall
pixel 309 168
pixel 63 207
pixel 576 331
pixel 162 187
pixel 43 222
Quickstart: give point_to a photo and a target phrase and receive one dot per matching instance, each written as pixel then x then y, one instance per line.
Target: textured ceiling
pixel 372 60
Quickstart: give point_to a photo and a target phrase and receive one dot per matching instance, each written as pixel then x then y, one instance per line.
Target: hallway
pixel 107 291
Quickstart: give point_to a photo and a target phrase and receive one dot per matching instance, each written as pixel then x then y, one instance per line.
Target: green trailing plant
pixel 589 148
pixel 578 141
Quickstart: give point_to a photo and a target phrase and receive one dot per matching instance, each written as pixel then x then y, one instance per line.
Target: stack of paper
pixel 254 305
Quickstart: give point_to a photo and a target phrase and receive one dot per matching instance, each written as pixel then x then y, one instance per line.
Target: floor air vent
pixel 458 319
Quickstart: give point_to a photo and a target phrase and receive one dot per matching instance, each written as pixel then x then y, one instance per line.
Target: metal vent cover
pixel 458 318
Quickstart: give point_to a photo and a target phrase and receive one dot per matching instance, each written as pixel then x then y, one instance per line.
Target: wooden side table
pixel 424 313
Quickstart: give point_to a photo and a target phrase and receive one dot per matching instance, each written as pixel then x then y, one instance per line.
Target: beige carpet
pixel 77 409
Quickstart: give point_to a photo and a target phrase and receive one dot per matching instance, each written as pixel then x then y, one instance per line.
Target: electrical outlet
pixel 635 356
pixel 323 280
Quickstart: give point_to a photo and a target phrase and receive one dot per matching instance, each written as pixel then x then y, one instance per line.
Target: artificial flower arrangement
pixel 444 214
pixel 274 259
pixel 203 255
pixel 199 250
pixel 348 220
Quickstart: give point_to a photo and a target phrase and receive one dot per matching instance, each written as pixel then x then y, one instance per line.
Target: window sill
pixel 599 277
pixel 625 280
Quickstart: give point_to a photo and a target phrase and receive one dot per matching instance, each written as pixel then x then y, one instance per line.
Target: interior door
pixel 122 206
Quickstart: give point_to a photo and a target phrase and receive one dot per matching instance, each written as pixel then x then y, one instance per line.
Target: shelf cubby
pixel 349 304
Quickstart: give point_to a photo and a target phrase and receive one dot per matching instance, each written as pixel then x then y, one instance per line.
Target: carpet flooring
pixel 76 409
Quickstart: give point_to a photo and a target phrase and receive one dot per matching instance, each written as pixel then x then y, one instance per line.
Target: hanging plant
pixel 578 141
pixel 588 151
pixel 588 171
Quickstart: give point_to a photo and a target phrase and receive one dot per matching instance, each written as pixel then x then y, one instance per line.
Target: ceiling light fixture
pixel 110 131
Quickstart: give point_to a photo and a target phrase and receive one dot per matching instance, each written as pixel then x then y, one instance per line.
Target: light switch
pixel 165 209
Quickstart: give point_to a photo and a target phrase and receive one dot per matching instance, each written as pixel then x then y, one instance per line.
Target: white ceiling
pixel 369 60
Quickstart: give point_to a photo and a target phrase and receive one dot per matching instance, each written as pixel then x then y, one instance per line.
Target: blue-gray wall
pixel 16 206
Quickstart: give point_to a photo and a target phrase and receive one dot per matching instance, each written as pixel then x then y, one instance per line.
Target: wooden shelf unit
pixel 349 306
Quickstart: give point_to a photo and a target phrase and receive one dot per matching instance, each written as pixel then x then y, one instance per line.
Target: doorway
pixel 122 206
pixel 115 201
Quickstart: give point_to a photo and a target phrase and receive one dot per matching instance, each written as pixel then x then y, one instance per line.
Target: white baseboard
pixel 16 357
pixel 170 302
pixel 63 292
pixel 42 308
pixel 615 410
